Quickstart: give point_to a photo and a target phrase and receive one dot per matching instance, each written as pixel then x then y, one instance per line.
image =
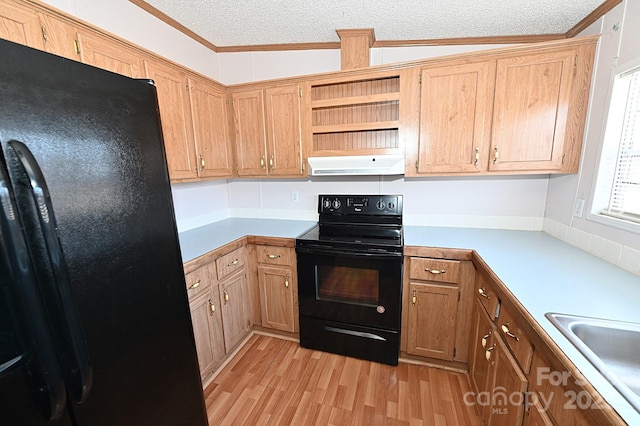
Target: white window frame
pixel 605 176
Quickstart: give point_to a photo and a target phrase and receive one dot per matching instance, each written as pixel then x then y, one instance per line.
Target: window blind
pixel 624 201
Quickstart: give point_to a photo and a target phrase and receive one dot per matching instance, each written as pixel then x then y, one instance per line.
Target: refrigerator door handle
pixel 76 361
pixel 44 371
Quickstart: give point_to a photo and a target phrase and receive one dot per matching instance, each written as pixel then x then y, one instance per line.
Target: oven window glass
pixel 348 284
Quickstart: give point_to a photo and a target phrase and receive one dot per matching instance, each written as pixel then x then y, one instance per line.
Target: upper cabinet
pixel 518 111
pixel 513 110
pixel 266 125
pixel 455 120
pixel 20 25
pixel 194 123
pixel 531 111
pixel 109 55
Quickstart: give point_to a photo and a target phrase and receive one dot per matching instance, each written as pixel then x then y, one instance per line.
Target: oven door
pixel 350 286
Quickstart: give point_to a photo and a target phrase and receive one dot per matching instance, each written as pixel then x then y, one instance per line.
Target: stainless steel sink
pixel 613 347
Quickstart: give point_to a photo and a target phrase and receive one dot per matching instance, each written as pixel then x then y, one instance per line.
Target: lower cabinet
pixel 277 280
pixel 498 383
pixel 236 310
pixel 207 319
pixel 437 307
pixel 220 305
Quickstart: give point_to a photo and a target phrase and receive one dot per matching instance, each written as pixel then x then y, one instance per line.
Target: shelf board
pixel 356 100
pixel 356 127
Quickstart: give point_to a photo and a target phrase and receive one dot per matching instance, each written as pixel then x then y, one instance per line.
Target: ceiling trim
pixel 516 39
pixel 593 17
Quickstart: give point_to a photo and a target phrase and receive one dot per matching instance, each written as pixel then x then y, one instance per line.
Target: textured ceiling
pixel 254 22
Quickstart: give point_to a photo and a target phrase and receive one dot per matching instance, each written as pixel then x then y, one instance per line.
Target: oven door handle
pixel 346 252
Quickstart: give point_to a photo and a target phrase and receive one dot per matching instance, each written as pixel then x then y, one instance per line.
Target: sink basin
pixel 613 347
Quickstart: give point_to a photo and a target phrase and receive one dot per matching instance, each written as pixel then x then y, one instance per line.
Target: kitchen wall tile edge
pixel 622 256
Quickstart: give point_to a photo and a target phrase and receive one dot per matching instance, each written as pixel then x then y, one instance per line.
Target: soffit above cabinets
pixel 221 24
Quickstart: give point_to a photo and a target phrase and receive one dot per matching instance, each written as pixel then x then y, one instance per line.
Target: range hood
pixel 356 165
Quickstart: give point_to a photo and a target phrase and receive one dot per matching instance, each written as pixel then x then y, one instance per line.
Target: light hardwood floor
pixel 273 381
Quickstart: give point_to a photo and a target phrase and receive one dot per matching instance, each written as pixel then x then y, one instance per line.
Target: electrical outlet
pixel 294 196
pixel 579 208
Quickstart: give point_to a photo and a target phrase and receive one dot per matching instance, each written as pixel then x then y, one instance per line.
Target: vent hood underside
pixel 357 165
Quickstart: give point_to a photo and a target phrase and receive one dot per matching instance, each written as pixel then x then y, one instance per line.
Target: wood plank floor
pixel 273 381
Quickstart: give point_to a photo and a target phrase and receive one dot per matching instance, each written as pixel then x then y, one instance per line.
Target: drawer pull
pixel 482 292
pixel 505 330
pixel 436 271
pixel 273 256
pixel 194 285
pixel 235 262
pixel 226 296
pixel 413 298
pixel 212 307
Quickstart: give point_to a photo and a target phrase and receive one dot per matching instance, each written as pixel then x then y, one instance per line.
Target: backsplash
pixel 622 256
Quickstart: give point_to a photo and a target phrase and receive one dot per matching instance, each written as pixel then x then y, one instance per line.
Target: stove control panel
pixel 360 204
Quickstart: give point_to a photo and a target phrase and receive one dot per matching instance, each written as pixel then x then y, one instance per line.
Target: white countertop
pixel 543 273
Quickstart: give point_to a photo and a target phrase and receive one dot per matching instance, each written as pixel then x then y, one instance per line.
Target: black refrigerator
pixel 95 326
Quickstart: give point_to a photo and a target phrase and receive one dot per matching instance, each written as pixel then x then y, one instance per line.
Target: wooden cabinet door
pixel 455 118
pixel 508 389
pixel 59 37
pixel 109 55
pixel 173 99
pixel 432 320
pixel 236 309
pixel 20 25
pixel 282 107
pixel 530 113
pixel 249 129
pixel 481 339
pixel 210 129
pixel 277 298
pixel 206 318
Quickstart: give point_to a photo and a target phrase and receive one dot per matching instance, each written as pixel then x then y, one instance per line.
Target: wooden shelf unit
pixel 356 116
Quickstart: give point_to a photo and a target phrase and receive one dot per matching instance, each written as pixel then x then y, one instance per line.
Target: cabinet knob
pixel 271 162
pixel 212 307
pixel 286 282
pixel 506 331
pixel 475 162
pixel 226 296
pixel 262 162
pixel 496 154
pixel 202 163
pixel 413 298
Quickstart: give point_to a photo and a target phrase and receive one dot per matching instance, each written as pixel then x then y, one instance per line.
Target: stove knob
pixel 336 204
pixel 391 205
pixel 326 203
pixel 380 204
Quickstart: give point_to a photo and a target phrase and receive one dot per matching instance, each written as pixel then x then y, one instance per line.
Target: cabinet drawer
pixel 487 295
pixel 441 270
pixel 198 281
pixel 516 339
pixel 229 263
pixel 273 255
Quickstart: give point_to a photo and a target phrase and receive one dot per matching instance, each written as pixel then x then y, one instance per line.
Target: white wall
pixel 616 47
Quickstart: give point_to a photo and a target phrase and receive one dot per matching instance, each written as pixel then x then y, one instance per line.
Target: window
pixel 617 194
